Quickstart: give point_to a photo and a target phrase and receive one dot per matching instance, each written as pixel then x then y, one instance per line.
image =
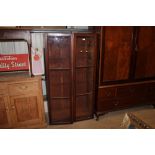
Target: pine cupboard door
pixel 59 78
pixel 145 50
pixel 84 74
pixel 4 112
pixel 25 110
pixel 116 52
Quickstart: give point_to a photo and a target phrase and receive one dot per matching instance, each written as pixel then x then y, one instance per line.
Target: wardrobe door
pixel 116 50
pixel 145 64
pixel 59 78
pixel 84 71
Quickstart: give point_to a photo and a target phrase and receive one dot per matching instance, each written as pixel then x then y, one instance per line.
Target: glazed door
pixel 145 50
pixel 116 52
pixel 59 70
pixel 84 72
pixel 25 110
pixel 4 113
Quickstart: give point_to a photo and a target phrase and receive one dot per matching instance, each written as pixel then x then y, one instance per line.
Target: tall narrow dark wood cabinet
pixel 59 71
pixel 84 73
pixel 70 69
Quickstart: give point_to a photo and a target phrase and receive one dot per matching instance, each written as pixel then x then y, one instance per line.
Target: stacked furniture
pixel 126 74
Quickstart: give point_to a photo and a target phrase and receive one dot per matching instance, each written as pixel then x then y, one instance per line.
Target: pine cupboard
pixel 126 75
pixel 21 102
pixel 70 70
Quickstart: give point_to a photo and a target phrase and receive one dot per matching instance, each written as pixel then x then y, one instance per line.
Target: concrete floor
pixel 111 120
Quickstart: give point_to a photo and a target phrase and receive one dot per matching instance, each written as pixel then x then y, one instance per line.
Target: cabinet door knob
pixel 81 51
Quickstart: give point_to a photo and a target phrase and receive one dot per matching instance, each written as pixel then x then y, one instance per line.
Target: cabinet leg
pixel 97 115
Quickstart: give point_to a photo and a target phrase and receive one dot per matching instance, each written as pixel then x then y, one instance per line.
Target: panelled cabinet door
pixel 4 113
pixel 25 110
pixel 59 78
pixel 145 64
pixel 84 72
pixel 116 50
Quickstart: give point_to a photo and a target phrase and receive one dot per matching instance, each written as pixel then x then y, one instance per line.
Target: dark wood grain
pixel 127 65
pixel 145 65
pixel 85 48
pixel 116 53
pixel 59 78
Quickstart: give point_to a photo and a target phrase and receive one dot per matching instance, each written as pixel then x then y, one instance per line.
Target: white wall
pixel 16 47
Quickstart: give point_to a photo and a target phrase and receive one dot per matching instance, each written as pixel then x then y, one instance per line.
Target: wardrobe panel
pixel 84 106
pixel 116 53
pixel 60 110
pixel 84 80
pixel 61 51
pixel 60 83
pixel 145 64
pixel 85 48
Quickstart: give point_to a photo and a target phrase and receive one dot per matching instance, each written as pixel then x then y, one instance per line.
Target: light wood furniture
pixel 21 102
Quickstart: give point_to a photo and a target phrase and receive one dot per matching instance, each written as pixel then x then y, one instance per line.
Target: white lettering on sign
pixel 8 58
pixel 12 65
pixel 4 65
pixel 17 64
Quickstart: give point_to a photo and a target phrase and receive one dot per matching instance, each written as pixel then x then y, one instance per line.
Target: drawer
pixel 131 91
pixel 106 92
pixel 3 89
pixel 23 88
pixel 106 105
pixel 131 102
pixel 150 89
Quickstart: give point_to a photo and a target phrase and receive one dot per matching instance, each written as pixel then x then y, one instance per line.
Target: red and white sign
pixel 14 62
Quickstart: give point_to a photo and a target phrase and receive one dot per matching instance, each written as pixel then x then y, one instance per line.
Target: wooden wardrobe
pixel 71 71
pixel 126 75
